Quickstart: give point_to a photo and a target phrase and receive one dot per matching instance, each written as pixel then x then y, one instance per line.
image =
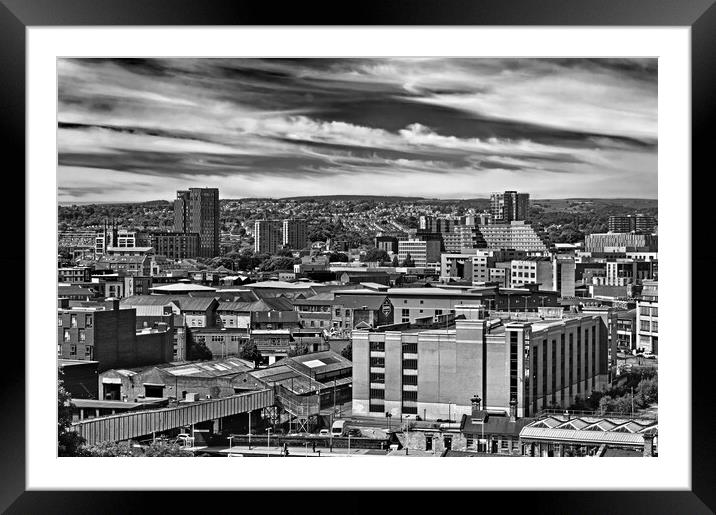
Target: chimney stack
pixel 476 401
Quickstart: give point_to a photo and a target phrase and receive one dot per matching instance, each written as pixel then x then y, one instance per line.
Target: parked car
pixel 324 432
pixel 354 432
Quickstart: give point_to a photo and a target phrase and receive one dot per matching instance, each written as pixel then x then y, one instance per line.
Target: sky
pixel 141 129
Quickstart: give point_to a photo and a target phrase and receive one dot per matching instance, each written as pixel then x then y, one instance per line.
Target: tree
pixel 276 263
pixel 374 254
pixel 347 351
pixel 111 450
pixel 408 261
pixel 250 352
pixel 160 448
pixel 395 260
pixel 298 350
pixel 69 443
pixel 199 351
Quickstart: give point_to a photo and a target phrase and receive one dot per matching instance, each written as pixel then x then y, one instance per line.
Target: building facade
pixel 176 245
pixel 268 236
pixel 647 318
pixel 509 206
pixel 295 234
pixel 435 373
pixel 196 210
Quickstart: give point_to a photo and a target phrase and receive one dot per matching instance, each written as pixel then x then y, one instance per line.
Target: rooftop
pixel 180 287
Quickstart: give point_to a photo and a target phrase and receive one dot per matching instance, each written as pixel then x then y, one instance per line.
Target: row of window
pixel 81 335
pixel 73 320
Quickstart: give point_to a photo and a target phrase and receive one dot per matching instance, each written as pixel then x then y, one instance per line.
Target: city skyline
pixel 139 129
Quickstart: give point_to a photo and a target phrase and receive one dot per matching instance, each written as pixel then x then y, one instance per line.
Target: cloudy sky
pixel 139 129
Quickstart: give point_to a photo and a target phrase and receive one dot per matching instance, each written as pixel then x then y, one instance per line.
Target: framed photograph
pixel 409 232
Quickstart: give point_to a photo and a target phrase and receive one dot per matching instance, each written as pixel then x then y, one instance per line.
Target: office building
pixel 295 234
pixel 647 317
pixel 176 245
pixel 196 210
pixel 620 243
pixel 531 271
pixel 640 224
pixel 564 276
pixel 436 224
pixel 518 367
pixel 268 236
pixel 509 206
pixel 386 243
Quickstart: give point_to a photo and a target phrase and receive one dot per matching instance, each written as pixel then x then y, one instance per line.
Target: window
pixel 377 377
pixel 377 346
pixel 348 312
pixel 405 312
pixel 153 391
pixel 82 336
pixel 376 406
pixel 338 312
pixel 644 325
pixel 377 362
pixel 88 352
pixel 73 350
pixel 73 320
pixel 411 348
pixel 377 393
pixel 66 335
pixel 410 380
pixel 217 338
pixel 59 321
pixel 410 364
pixel 654 326
pixel 410 395
pixel 88 320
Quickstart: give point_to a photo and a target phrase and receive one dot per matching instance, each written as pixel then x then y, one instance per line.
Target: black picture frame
pixel 700 15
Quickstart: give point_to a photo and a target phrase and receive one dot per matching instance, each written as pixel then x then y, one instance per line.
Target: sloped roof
pixel 177 287
pixel 321 299
pixel 215 368
pixel 371 302
pixel 572 435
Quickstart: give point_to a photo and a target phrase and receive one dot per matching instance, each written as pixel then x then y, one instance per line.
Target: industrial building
pixel 521 365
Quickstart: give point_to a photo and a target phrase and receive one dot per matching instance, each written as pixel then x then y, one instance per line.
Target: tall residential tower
pixel 196 210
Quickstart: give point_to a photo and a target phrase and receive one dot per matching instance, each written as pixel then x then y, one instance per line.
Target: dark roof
pixel 322 299
pixel 494 425
pixel 371 302
pixel 278 303
pixel 196 303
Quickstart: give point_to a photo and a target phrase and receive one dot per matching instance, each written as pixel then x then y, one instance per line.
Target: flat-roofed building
pixel 515 366
pixel 295 234
pixel 620 242
pixel 176 245
pixel 268 236
pixel 647 313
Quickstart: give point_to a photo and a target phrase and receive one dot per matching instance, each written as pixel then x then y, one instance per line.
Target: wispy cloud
pixel 461 127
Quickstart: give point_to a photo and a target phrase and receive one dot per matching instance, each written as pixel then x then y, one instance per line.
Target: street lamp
pixel 388 415
pixel 268 442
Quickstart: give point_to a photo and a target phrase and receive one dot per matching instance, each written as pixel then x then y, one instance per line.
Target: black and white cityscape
pixel 333 257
